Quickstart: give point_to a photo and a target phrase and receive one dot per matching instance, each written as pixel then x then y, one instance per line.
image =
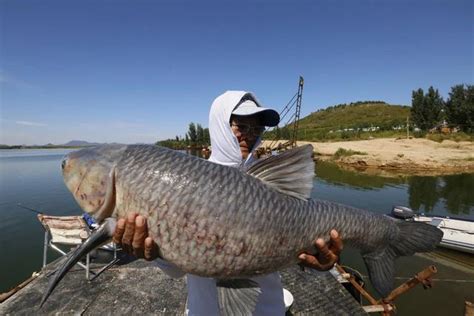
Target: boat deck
pixel 139 287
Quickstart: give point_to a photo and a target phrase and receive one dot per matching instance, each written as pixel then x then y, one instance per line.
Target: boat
pixel 458 234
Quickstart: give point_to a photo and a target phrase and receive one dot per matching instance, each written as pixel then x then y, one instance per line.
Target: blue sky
pixel 140 71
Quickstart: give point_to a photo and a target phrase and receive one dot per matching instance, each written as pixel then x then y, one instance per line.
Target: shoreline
pixel 392 156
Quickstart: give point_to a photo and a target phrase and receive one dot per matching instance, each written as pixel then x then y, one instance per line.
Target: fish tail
pixel 412 237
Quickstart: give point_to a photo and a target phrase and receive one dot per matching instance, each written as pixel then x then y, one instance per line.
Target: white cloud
pixel 28 123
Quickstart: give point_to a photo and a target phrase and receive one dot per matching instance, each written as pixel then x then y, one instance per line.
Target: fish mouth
pixel 97 238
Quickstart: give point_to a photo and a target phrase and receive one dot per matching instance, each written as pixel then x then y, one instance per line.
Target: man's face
pixel 247 129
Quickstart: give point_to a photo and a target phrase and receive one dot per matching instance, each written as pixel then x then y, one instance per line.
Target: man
pixel 236 122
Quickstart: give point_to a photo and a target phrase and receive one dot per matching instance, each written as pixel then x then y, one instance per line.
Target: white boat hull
pixel 457 234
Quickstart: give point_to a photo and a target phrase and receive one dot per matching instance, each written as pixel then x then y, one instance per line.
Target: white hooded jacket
pixel 224 144
pixel 202 292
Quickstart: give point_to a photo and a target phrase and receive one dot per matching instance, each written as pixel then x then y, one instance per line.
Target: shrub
pixel 341 152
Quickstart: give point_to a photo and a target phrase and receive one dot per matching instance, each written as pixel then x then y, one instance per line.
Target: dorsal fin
pixel 290 172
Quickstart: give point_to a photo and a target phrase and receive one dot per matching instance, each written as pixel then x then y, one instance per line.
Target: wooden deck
pixel 138 287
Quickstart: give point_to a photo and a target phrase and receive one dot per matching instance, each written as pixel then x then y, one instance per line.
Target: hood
pixel 225 146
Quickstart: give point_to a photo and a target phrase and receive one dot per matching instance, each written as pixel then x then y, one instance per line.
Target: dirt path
pixel 407 156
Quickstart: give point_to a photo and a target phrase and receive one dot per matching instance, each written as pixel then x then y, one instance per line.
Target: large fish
pixel 227 223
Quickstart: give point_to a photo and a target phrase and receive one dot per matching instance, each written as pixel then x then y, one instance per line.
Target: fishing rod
pixel 28 208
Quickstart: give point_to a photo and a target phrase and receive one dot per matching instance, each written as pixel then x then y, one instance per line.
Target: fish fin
pixel 237 296
pixel 98 237
pixel 381 267
pixel 412 237
pixel 290 172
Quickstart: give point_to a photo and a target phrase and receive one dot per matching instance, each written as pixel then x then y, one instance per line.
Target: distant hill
pixel 72 143
pixel 79 143
pixel 355 120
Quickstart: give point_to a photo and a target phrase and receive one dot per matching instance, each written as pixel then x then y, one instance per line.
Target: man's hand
pixel 132 234
pixel 328 254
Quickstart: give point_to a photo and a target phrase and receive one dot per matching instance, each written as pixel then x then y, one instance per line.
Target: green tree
pixel 426 109
pixel 199 134
pixel 192 134
pixel 417 107
pixel 207 137
pixel 460 107
pixel 434 105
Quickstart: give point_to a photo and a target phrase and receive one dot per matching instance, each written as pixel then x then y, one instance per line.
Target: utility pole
pixel 408 129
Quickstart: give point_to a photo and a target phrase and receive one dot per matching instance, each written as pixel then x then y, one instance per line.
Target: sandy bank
pixel 406 156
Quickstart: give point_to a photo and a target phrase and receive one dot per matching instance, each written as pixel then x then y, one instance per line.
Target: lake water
pixel 33 178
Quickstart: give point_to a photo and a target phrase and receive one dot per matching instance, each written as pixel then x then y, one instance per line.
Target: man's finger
pixel 140 233
pixel 308 260
pixel 129 232
pixel 326 258
pixel 151 249
pixel 119 230
pixel 323 249
pixel 335 245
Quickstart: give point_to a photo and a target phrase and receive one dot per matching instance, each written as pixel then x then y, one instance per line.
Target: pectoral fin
pixel 237 296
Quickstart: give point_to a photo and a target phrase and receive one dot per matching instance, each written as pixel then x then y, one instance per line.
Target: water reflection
pixel 437 195
pixel 422 192
pixel 456 191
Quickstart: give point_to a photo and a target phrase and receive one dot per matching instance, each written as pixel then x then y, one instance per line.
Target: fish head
pixel 89 174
